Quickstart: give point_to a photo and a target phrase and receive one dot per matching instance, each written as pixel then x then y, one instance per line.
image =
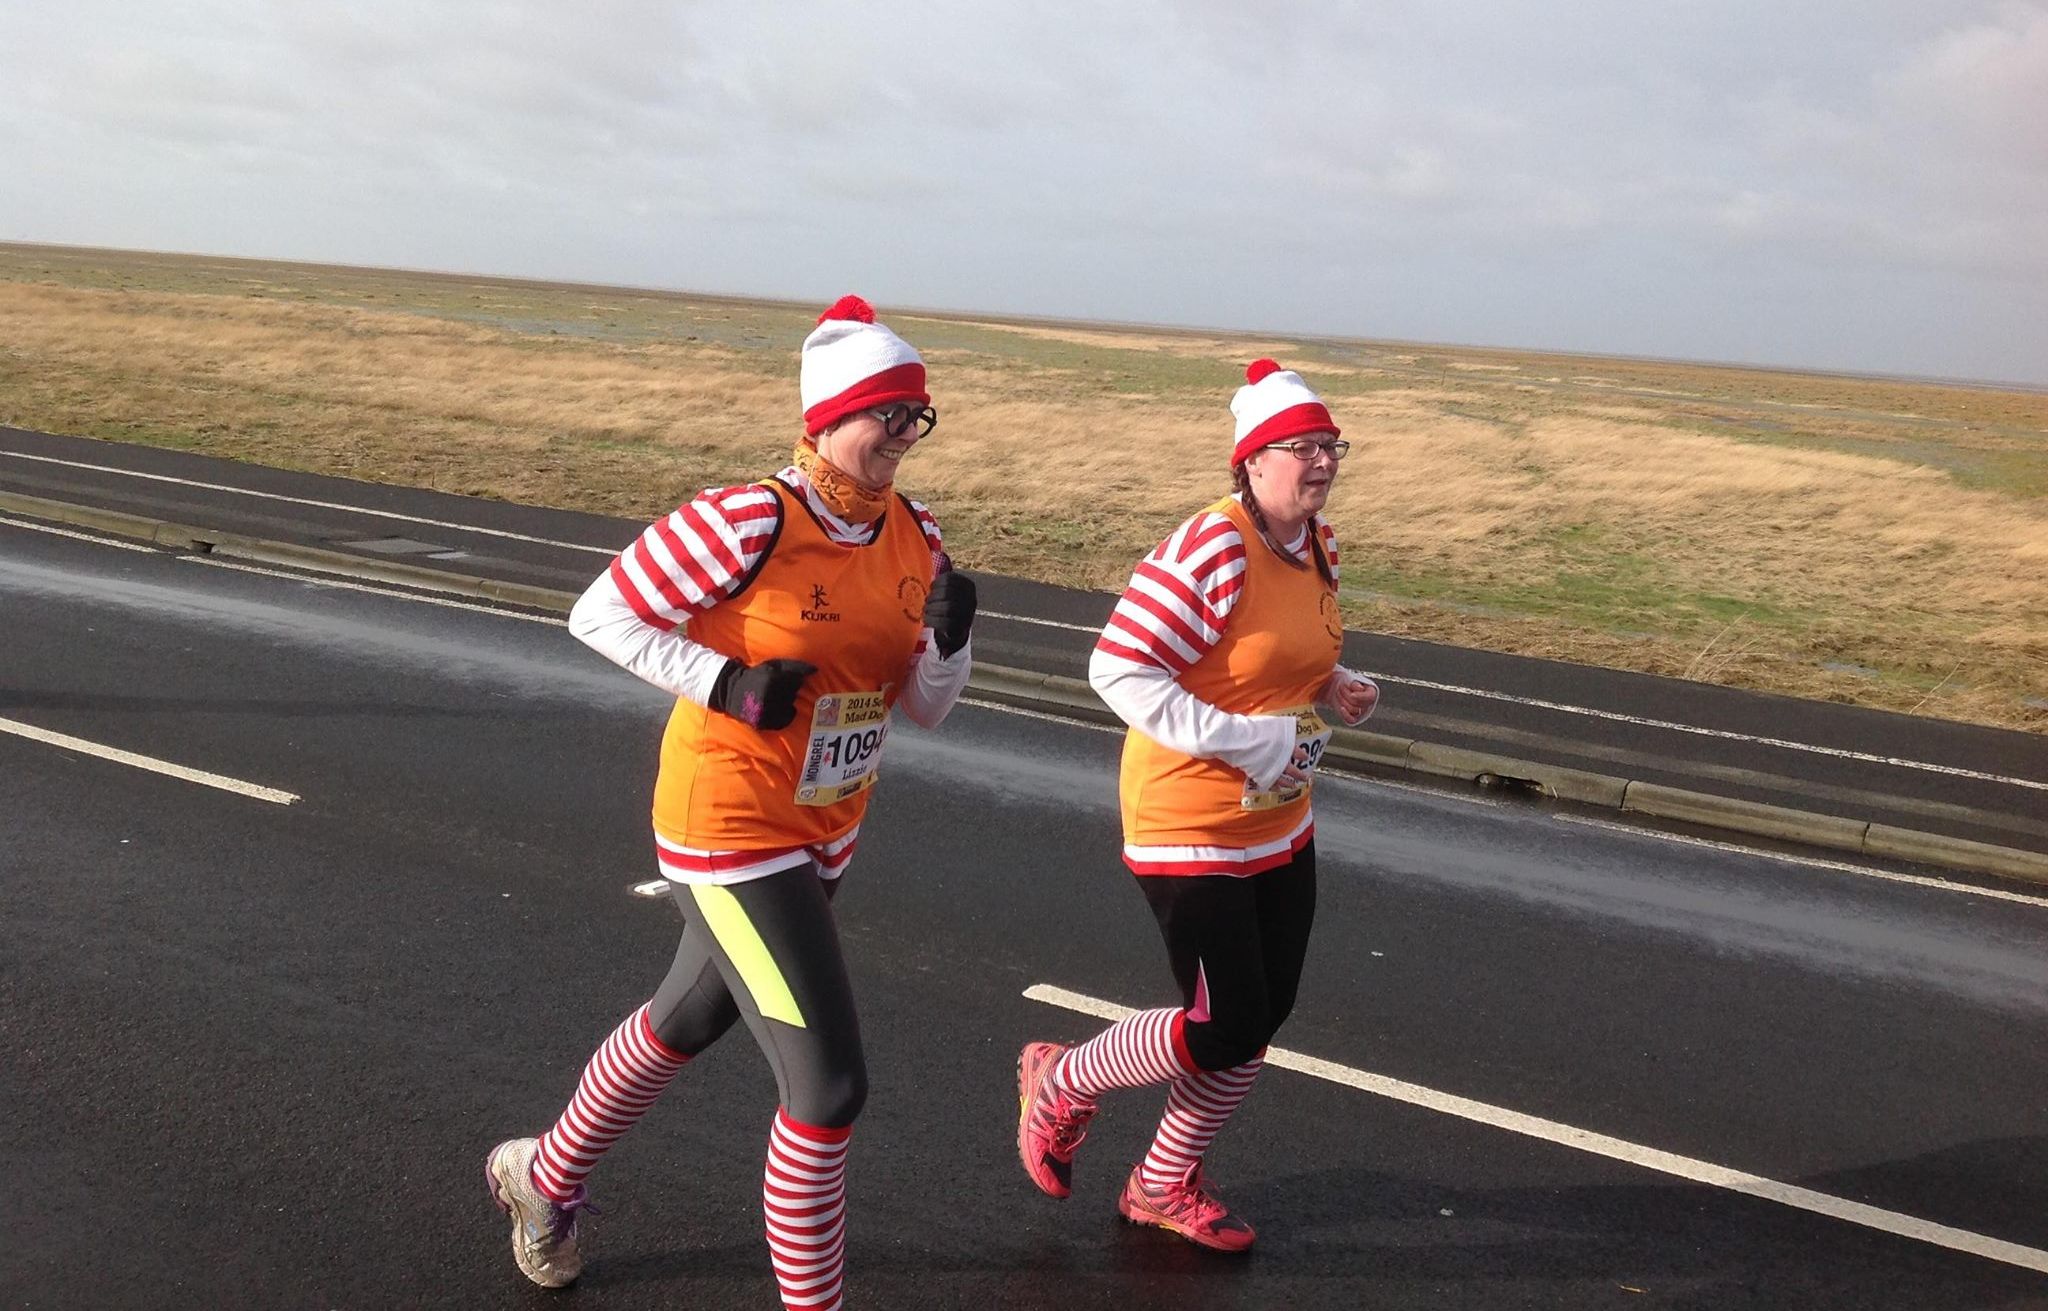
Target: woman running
pixel 788 617
pixel 1219 656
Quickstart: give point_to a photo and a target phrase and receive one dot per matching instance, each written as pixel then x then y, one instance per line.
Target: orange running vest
pixel 1282 641
pixel 853 611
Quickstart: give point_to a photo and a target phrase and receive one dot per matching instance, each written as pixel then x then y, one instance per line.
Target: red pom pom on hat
pixel 851 308
pixel 1274 405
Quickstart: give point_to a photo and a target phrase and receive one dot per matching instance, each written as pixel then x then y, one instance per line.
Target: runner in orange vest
pixel 1222 657
pixel 789 617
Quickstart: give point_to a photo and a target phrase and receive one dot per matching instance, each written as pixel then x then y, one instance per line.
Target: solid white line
pixel 76 536
pixel 221 781
pixel 1456 689
pixel 400 593
pixel 1943 885
pixel 1616 716
pixel 1955 771
pixel 980 704
pixel 324 505
pixel 1615 1149
pixel 1042 623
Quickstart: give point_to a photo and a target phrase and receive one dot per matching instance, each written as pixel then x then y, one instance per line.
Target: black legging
pixel 819 1068
pixel 1248 938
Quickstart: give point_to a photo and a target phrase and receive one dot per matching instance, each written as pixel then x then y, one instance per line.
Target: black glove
pixel 949 606
pixel 762 695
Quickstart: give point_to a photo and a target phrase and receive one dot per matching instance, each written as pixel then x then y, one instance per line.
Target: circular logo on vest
pixel 1333 622
pixel 911 591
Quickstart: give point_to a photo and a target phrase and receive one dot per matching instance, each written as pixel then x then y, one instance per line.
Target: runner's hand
pixel 1352 696
pixel 949 606
pixel 762 695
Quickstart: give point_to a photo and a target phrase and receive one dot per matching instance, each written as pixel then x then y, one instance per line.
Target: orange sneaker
pixel 1189 1208
pixel 1050 1123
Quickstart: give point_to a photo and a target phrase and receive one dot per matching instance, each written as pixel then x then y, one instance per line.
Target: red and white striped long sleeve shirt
pixel 1175 610
pixel 696 556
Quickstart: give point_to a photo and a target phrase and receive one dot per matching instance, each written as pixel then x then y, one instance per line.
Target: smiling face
pixel 861 445
pixel 1291 490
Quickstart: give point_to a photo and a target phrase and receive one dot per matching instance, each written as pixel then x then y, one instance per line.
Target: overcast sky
pixel 1852 184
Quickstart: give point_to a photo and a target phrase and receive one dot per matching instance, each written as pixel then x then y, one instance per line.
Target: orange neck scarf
pixel 843 494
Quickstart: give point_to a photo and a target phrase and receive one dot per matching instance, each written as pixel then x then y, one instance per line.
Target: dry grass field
pixel 1871 541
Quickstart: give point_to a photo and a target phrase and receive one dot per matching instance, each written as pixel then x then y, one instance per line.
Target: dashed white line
pixel 324 505
pixel 150 763
pixel 1614 1149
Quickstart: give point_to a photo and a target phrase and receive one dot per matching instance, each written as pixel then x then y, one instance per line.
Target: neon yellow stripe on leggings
pixel 728 923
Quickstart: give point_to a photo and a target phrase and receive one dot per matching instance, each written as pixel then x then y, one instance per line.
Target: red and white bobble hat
pixel 851 362
pixel 1274 405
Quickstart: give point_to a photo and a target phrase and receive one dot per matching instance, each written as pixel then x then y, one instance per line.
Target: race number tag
pixel 1311 735
pixel 847 729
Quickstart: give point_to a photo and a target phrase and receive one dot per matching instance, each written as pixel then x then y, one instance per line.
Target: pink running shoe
pixel 1189 1208
pixel 1050 1123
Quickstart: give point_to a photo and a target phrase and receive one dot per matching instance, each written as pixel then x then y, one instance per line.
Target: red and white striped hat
pixel 851 362
pixel 1273 405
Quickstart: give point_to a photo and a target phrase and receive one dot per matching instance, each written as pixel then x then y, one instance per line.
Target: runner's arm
pixel 1175 609
pixel 1334 696
pixel 685 563
pixel 934 681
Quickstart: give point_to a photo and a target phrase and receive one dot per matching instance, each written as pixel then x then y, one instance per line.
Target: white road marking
pixel 76 536
pixel 1616 716
pixel 400 593
pixel 155 766
pixel 1955 771
pixel 1787 744
pixel 1615 1149
pixel 980 704
pixel 324 505
pixel 652 888
pixel 317 581
pixel 1042 623
pixel 1944 885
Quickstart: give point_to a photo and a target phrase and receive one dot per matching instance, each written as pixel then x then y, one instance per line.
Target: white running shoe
pixel 543 1230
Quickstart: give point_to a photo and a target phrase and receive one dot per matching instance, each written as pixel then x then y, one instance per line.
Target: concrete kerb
pixel 1028 689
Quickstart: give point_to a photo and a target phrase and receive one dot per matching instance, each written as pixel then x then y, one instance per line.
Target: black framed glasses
pixel 1307 448
pixel 897 419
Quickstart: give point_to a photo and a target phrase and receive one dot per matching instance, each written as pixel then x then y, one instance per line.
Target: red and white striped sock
pixel 1196 1107
pixel 804 1196
pixel 1136 1050
pixel 622 1080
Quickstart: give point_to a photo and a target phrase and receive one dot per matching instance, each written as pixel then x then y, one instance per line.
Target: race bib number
pixel 847 731
pixel 1311 736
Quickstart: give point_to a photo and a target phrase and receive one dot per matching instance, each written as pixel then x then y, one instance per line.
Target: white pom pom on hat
pixel 850 362
pixel 1274 405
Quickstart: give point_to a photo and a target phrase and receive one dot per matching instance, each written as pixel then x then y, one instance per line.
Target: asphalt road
pixel 1910 771
pixel 252 1054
